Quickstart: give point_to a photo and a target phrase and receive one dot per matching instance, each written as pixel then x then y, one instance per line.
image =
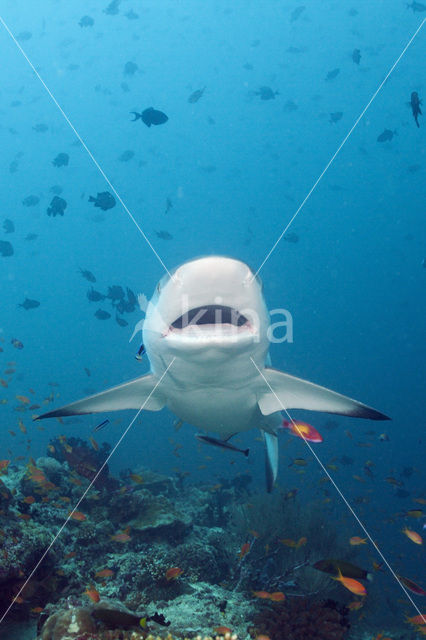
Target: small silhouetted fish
pixel 150 116
pixel 291 237
pixel 130 68
pixel 61 160
pixel 40 128
pixel 169 205
pixel 100 426
pixel 332 74
pixel 296 13
pixel 88 275
pixel 266 93
pixel 415 107
pixel 131 297
pixel 224 444
pixel 356 56
pixel 336 116
pixel 402 493
pixel 95 296
pixel 102 315
pixel 24 36
pixel 56 189
pixel 296 49
pixel 112 8
pixel 290 106
pixel 126 155
pixel 17 343
pixel 116 292
pixel 413 168
pixel 57 207
pixel 86 21
pixel 30 201
pixel 164 235
pixel 8 226
pixel 196 95
pixel 6 249
pixel 104 200
pixel 29 304
pixel 31 236
pixel 417 7
pixel 248 66
pixel 386 136
pixel 121 321
pixel 13 167
pixel 131 15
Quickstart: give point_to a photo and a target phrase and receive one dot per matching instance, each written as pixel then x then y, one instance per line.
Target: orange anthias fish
pixel 222 630
pixel 352 585
pixel 121 537
pixel 244 550
pixel 4 465
pixel 294 544
pixel 355 540
pixel 302 430
pixel 77 515
pixel 104 573
pixel 173 573
pixel 92 594
pixel 418 620
pixel 276 596
pixel 413 536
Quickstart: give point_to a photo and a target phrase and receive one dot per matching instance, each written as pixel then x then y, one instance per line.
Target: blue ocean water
pixel 224 175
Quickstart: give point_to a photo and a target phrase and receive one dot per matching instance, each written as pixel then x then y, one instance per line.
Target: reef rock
pixel 68 624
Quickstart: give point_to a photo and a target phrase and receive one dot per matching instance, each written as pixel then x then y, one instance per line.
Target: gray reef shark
pixel 206 335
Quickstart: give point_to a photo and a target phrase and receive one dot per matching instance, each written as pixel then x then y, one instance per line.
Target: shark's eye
pixel 158 288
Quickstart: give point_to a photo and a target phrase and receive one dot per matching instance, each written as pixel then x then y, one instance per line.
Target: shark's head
pixel 211 307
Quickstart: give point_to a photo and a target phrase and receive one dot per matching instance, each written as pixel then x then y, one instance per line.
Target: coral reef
pixel 302 619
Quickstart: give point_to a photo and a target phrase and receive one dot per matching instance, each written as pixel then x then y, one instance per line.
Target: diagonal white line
pixel 84 495
pixel 361 524
pixel 330 162
pixel 92 157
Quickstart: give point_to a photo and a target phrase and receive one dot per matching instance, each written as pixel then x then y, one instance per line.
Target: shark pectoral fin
pixel 271 459
pixel 289 392
pixel 130 395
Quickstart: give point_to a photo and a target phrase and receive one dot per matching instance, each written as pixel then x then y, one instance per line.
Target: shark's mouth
pixel 210 315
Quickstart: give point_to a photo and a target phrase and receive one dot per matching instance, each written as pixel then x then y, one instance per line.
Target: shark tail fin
pixel 282 391
pixel 136 394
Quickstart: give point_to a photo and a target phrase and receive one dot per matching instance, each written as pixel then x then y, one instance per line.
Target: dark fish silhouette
pixel 332 566
pixel 296 13
pixel 6 249
pixel 8 226
pixel 88 275
pixel 121 321
pixel 336 116
pixel 164 235
pixel 356 56
pixel 102 315
pixel 31 236
pixel 130 68
pixel 95 296
pixel 332 74
pixel 61 160
pixel 386 136
pixel 112 8
pixel 415 103
pixel 86 21
pixel 104 200
pixel 57 207
pixel 224 444
pixel 30 201
pixel 266 93
pixel 196 95
pixel 29 304
pixel 126 155
pixel 41 127
pixel 416 7
pixel 116 292
pixel 150 116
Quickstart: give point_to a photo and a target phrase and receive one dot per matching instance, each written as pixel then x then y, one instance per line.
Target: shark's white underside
pixel 210 321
